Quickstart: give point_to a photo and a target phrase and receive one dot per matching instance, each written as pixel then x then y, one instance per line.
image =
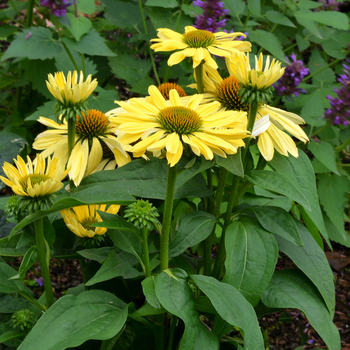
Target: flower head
pixel 57 7
pixel 142 214
pixel 198 44
pixel 23 318
pixel 171 125
pixel 166 87
pixel 213 10
pixel 270 124
pixel 34 179
pixel 339 113
pixel 96 145
pixel 79 219
pixel 69 93
pixel 293 75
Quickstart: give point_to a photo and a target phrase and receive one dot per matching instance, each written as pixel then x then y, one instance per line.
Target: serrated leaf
pixel 38 45
pixel 313 111
pixel 333 19
pixel 91 44
pixel 333 49
pixel 104 101
pixel 269 42
pixel 254 6
pixel 325 153
pixel 175 295
pixel 309 25
pixel 251 256
pixel 162 3
pixel 291 289
pixel 47 110
pixel 279 18
pixel 194 228
pixel 316 62
pixel 233 308
pixel 86 6
pixel 233 163
pixel 93 314
pixel 278 183
pixel 78 25
pixel 235 7
pixel 313 262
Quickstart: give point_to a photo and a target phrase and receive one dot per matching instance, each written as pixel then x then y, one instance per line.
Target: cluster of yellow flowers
pixel 162 125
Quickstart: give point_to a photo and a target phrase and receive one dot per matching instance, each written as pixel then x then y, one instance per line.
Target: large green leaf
pixel 7 285
pixel 278 183
pixel 97 254
pixel 149 290
pixel 233 308
pixel 147 179
pixel 10 304
pixel 114 266
pixel 90 44
pixel 10 146
pixel 162 3
pixel 313 262
pixel 93 314
pixel 333 19
pixel 300 172
pixel 233 163
pixel 333 191
pixel 279 18
pixel 278 221
pixel 251 256
pixel 78 25
pixel 34 43
pixel 269 42
pixel 194 228
pixel 325 153
pixel 235 7
pixel 93 195
pixel 175 295
pixel 292 289
pixel 254 6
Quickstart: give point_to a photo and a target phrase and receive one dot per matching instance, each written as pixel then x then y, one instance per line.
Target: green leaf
pixel 278 221
pixel 313 262
pixel 278 183
pixel 6 30
pixel 10 146
pixel 235 7
pixel 315 64
pixel 86 6
pixel 130 68
pixel 233 308
pixel 17 245
pixel 161 3
pixel 7 285
pixel 10 304
pixel 11 335
pixel 269 42
pixel 194 228
pixel 313 111
pixel 149 290
pixel 28 260
pixel 233 163
pixel 333 191
pixel 311 26
pixel 175 295
pixel 251 256
pixel 292 289
pixel 104 101
pixel 146 179
pixel 302 43
pixel 279 201
pixel 78 25
pixel 279 18
pixel 333 49
pixel 93 314
pixel 325 153
pixel 311 227
pixel 335 235
pixel 333 19
pixel 97 254
pixel 38 45
pixel 92 195
pixel 114 266
pixel 163 18
pixel 299 171
pixel 122 15
pixel 254 6
pixel 90 44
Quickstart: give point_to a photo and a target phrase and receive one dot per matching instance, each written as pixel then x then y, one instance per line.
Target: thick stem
pixel 171 332
pixel 253 108
pixel 30 7
pixel 168 210
pixel 198 72
pixel 146 262
pixel 71 136
pixel 45 273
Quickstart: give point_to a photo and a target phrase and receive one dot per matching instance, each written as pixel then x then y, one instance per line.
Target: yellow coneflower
pixel 95 142
pixel 166 87
pixel 198 44
pixel 79 219
pixel 169 125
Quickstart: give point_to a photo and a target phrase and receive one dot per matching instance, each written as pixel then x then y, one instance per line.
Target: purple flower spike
pixel 213 10
pixel 329 5
pixel 57 7
pixel 292 77
pixel 339 113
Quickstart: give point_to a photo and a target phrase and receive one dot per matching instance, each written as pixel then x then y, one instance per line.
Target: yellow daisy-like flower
pixel 95 142
pixel 34 179
pixel 79 219
pixel 198 44
pixel 70 92
pixel 160 125
pixel 273 135
pixel 259 78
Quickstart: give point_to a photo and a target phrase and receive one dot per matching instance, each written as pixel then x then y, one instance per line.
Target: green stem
pixel 168 210
pixel 171 332
pixel 246 20
pixel 319 130
pixel 198 71
pixel 43 260
pixel 321 70
pixel 83 64
pixel 144 232
pixel 17 12
pixel 30 7
pixel 167 74
pixel 71 58
pixel 84 269
pixel 253 108
pixel 343 145
pixel 71 135
pixel 290 47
